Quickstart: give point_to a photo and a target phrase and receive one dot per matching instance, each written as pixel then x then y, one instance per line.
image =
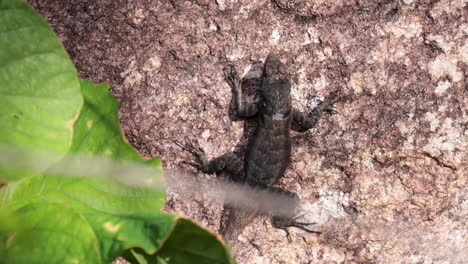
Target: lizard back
pixel 269 150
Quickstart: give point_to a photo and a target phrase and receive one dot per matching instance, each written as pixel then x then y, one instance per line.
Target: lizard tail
pixel 233 222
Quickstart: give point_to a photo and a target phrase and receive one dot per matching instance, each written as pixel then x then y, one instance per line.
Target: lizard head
pixel 276 86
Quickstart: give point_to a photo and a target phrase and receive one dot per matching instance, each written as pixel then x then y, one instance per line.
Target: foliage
pixel 52 212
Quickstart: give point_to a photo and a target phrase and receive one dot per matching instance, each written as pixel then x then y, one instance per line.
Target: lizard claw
pixel 193 164
pixel 330 103
pixel 328 107
pixel 284 223
pixel 332 111
pixel 198 152
pixel 315 104
pixel 288 235
pixel 195 149
pixel 190 147
pixel 303 226
pixel 231 76
pixel 180 144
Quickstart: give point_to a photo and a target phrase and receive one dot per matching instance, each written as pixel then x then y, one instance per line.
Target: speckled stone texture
pixel 385 178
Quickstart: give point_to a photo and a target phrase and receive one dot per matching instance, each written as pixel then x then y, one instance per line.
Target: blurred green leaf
pixel 40 95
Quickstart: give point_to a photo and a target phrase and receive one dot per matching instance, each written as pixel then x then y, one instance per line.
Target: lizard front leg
pixel 228 161
pixel 233 79
pixel 316 107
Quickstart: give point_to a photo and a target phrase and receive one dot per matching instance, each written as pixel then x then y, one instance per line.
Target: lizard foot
pixel 285 222
pixel 197 151
pixel 232 78
pixel 316 105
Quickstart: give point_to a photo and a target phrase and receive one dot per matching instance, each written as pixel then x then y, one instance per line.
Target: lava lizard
pixel 269 150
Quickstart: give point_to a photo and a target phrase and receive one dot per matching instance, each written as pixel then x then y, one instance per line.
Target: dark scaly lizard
pixel 269 150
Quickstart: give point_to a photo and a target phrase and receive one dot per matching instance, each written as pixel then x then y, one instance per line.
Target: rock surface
pixel 385 179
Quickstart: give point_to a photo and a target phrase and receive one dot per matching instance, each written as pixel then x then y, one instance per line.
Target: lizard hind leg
pixel 287 218
pixel 229 162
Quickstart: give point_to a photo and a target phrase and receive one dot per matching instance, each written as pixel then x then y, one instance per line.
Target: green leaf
pixel 188 243
pixel 60 209
pixel 108 222
pixel 39 90
pixel 111 217
pixel 67 229
pixel 97 130
pixel 59 235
